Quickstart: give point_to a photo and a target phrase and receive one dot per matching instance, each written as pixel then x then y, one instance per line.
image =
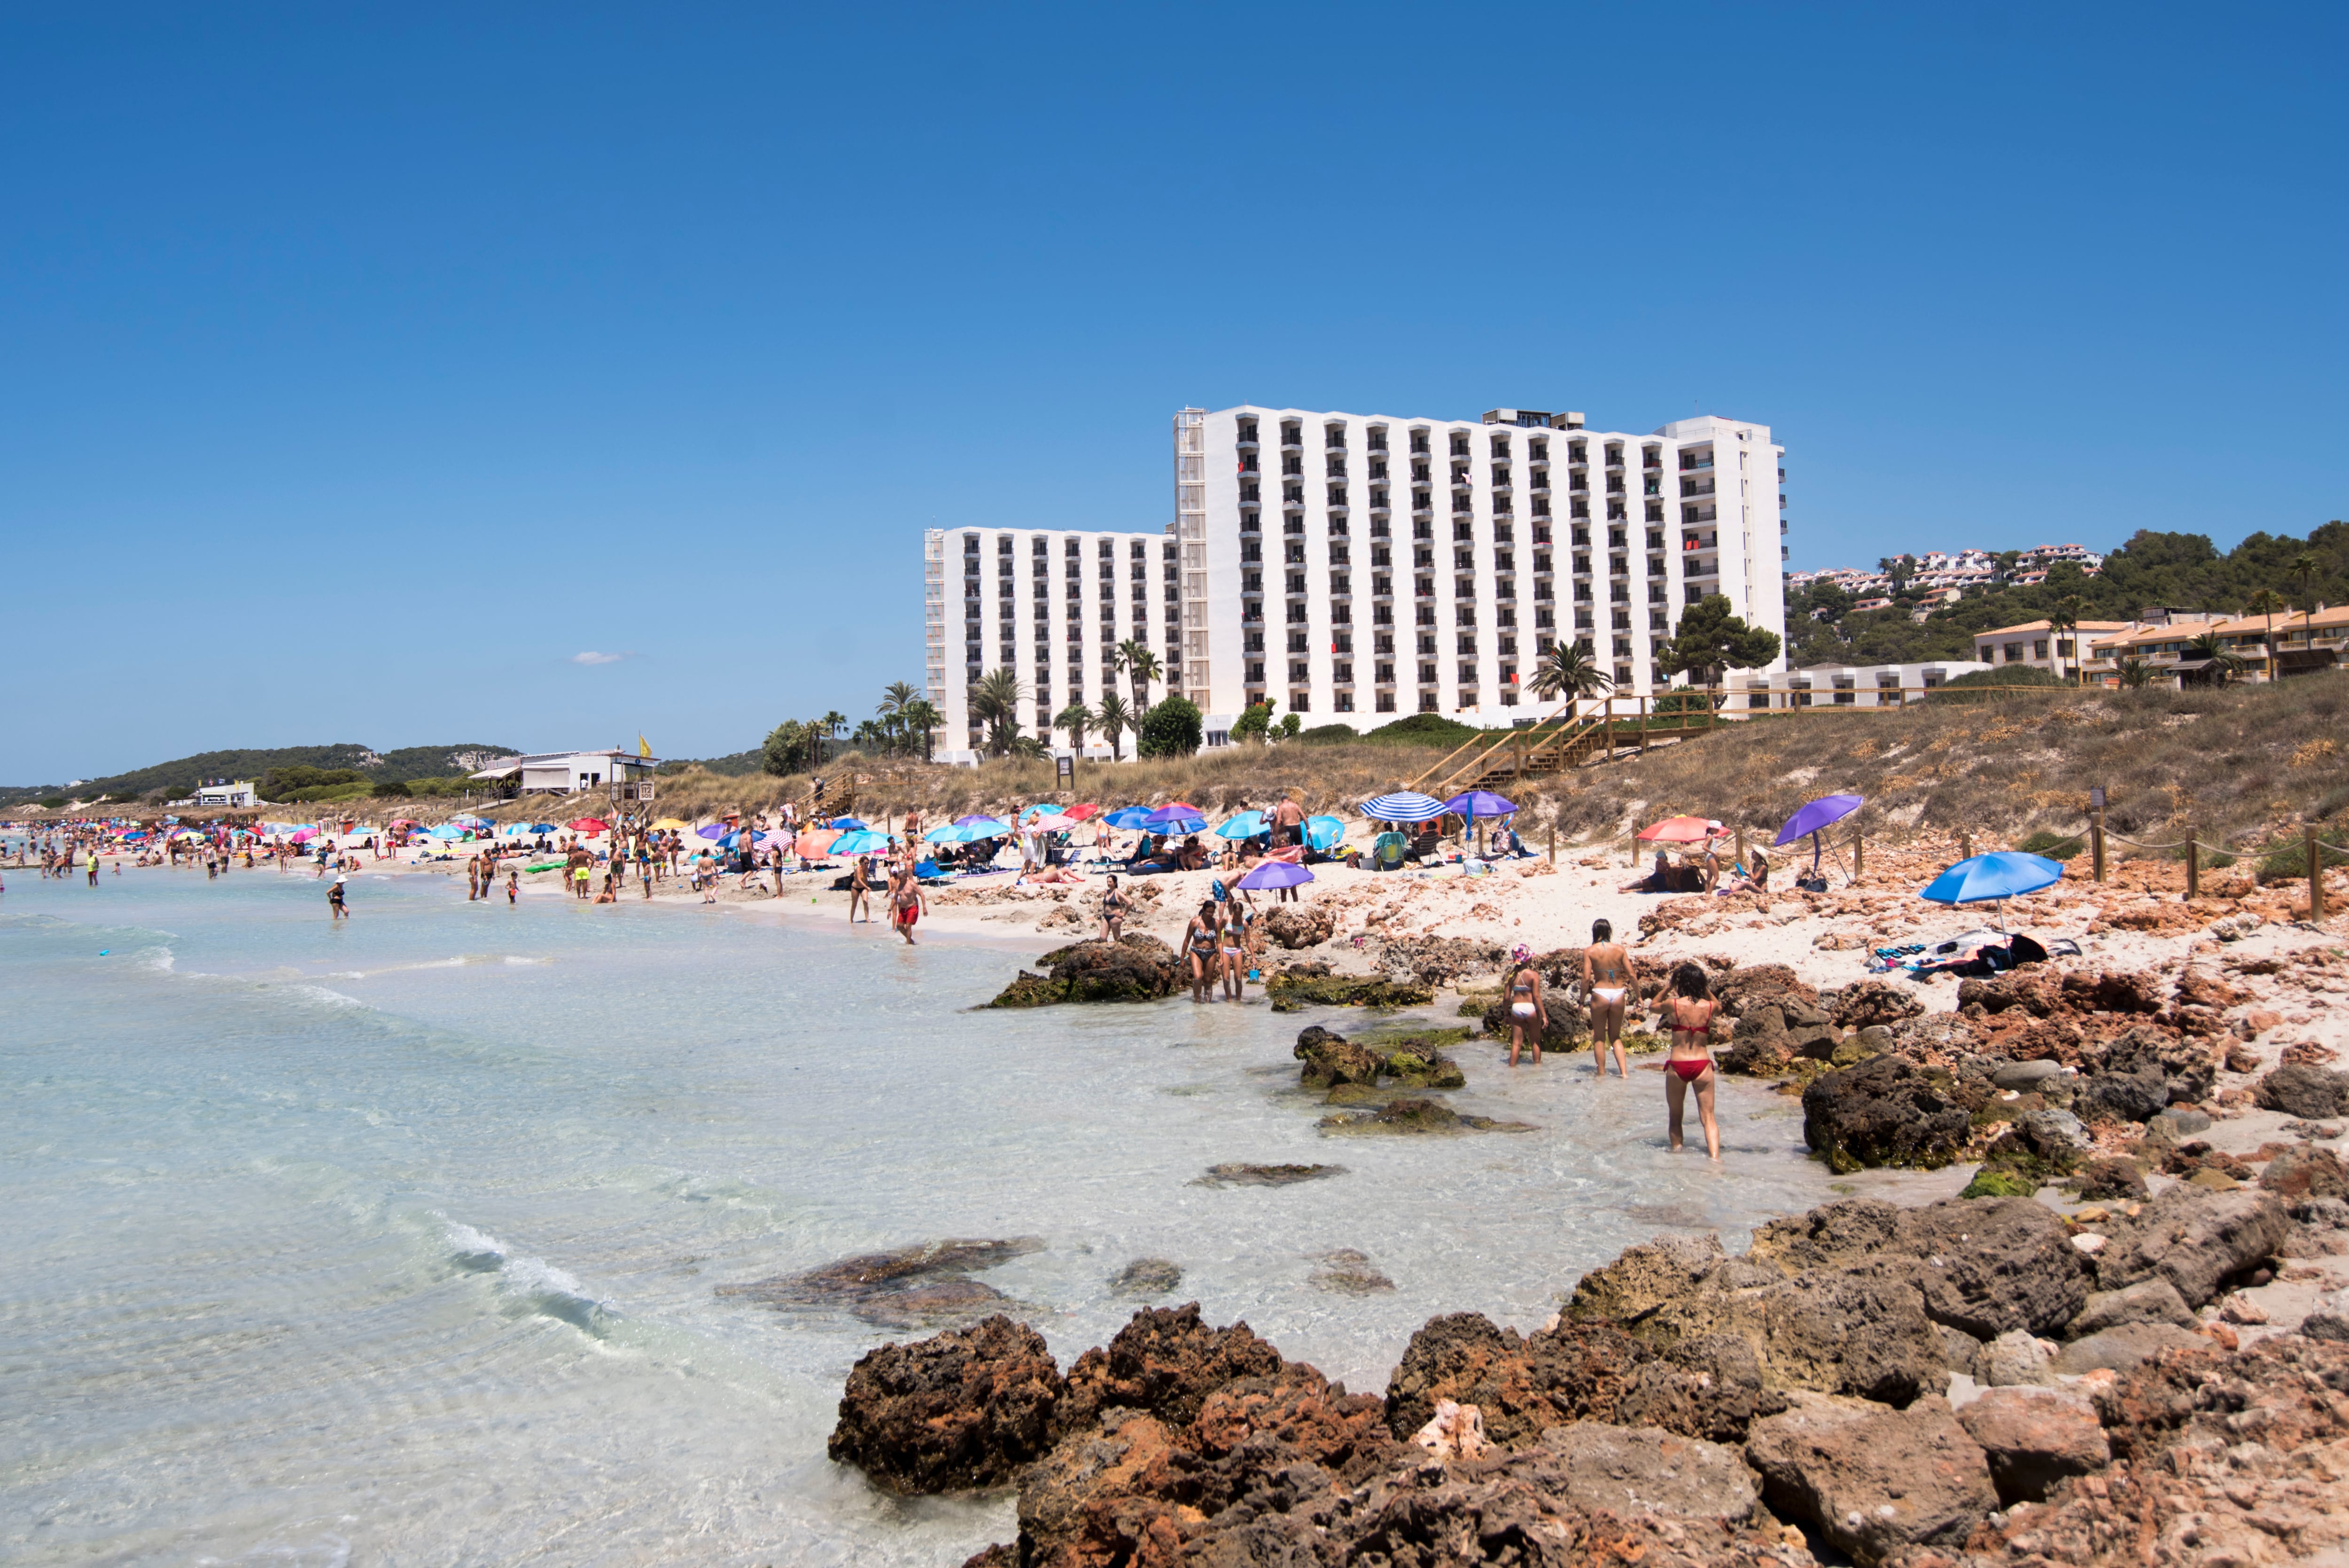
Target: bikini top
pixel 1705 1027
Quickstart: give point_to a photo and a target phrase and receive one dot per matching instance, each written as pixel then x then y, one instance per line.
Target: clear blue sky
pixel 363 368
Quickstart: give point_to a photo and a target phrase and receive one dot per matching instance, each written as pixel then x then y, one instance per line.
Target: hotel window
pixel 2039 648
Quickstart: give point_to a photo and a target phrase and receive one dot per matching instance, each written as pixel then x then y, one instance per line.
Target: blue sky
pixel 364 367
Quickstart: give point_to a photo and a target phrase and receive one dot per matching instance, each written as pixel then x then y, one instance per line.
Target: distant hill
pixel 179 778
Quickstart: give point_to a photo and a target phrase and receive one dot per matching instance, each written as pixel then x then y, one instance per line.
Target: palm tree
pixel 2267 602
pixel 994 702
pixel 1026 747
pixel 2065 617
pixel 920 718
pixel 1113 718
pixel 1134 657
pixel 1076 718
pixel 2303 566
pixel 895 697
pixel 2210 645
pixel 2136 673
pixel 1567 668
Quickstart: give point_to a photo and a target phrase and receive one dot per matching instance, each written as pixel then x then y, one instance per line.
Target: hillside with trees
pixel 179 778
pixel 2181 571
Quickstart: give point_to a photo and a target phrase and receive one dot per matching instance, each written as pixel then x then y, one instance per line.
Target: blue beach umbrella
pixel 1474 803
pixel 848 824
pixel 1246 825
pixel 1403 805
pixel 858 842
pixel 470 821
pixel 2003 875
pixel 1128 818
pixel 1323 832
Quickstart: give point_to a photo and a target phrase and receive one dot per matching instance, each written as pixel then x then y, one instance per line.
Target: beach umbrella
pixel 983 827
pixel 1681 831
pixel 1246 825
pixel 1993 878
pixel 1822 812
pixel 666 825
pixel 713 830
pixel 1043 809
pixel 588 825
pixel 947 833
pixel 471 822
pixel 1080 813
pixel 1127 818
pixel 859 842
pixel 973 820
pixel 396 823
pixel 848 824
pixel 445 831
pixel 1403 805
pixel 1474 803
pixel 1323 832
pixel 813 844
pixel 534 827
pixel 301 835
pixel 1175 817
pixel 1275 874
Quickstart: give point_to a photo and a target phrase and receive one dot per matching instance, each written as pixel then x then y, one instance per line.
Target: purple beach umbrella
pixel 1475 803
pixel 1821 813
pixel 1275 874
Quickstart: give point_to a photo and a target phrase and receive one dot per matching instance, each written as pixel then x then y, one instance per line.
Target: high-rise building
pixel 1354 568
pixel 1057 608
pixel 1355 564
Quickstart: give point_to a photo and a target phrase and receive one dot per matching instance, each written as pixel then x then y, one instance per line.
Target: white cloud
pixel 592 657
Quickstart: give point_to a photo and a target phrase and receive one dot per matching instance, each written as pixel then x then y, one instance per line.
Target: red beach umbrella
pixel 1681 831
pixel 588 825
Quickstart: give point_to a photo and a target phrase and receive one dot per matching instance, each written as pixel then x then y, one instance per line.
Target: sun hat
pixel 1520 953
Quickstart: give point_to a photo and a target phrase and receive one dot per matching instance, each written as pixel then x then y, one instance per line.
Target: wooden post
pixel 1553 841
pixel 1643 727
pixel 1965 846
pixel 2193 868
pixel 1741 848
pixel 2096 840
pixel 1856 842
pixel 2315 875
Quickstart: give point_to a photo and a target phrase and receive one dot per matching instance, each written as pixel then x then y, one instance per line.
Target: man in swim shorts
pixel 1606 983
pixel 907 904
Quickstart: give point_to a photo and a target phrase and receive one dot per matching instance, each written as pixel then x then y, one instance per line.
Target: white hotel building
pixel 1355 568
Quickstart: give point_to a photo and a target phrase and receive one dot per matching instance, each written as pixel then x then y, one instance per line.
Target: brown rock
pixel 2035 1438
pixel 1522 1385
pixel 1165 1361
pixel 2194 1239
pixel 967 1408
pixel 2306 1171
pixel 1872 1001
pixel 1874 1480
pixel 1644 1277
pixel 1301 926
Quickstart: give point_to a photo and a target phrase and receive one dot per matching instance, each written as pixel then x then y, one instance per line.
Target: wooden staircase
pixel 1579 730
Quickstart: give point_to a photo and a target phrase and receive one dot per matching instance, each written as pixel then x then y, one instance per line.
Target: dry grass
pixel 2249 761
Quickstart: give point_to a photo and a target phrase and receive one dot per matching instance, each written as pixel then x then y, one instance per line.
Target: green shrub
pixel 2289 862
pixel 289 783
pixel 1328 733
pixel 1431 729
pixel 2054 846
pixel 54 802
pixel 1172 728
pixel 1967 687
pixel 1252 724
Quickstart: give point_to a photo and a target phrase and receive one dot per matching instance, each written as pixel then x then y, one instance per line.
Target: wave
pixel 530 1284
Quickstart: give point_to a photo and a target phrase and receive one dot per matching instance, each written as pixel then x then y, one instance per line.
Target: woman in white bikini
pixel 1605 981
pixel 1234 949
pixel 1689 1013
pixel 1525 1011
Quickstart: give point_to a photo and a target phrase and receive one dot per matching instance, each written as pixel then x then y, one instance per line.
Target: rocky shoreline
pixel 1978 1382
pixel 2122 1344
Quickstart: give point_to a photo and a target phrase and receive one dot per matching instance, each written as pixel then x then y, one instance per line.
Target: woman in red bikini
pixel 1689 1014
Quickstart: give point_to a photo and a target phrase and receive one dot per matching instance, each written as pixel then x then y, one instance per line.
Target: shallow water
pixel 397 1241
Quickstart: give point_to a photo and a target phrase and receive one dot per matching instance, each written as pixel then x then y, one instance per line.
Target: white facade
pixel 1356 568
pixel 573 772
pixel 1053 606
pixel 1840 685
pixel 237 793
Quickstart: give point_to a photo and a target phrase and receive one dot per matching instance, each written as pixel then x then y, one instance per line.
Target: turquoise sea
pixel 398 1241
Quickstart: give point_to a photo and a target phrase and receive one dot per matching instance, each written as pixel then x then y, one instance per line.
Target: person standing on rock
pixel 1113 913
pixel 1605 981
pixel 1689 1013
pixel 1526 1013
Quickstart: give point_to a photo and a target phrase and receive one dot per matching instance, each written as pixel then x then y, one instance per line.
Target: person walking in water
pixel 341 911
pixel 860 888
pixel 1605 981
pixel 1527 1011
pixel 1199 943
pixel 1689 1013
pixel 907 904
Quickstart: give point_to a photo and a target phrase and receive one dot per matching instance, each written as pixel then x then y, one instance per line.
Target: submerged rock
pixel 1244 1175
pixel 1417 1116
pixel 1347 1272
pixel 1134 968
pixel 912 1288
pixel 1146 1277
pixel 1408 1061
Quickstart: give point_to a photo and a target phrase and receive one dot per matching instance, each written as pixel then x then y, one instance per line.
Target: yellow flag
pixel 644 748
